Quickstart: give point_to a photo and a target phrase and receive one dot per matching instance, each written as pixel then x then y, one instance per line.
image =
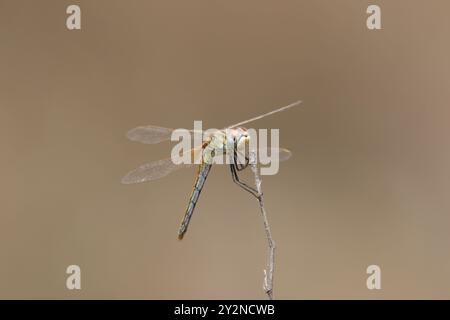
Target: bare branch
pixel 268 273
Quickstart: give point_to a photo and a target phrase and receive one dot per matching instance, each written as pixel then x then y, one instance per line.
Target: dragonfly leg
pixel 241 184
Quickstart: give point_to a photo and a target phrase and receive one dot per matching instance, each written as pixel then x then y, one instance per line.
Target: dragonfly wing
pixel 281 153
pixel 149 134
pixel 160 168
pixel 152 171
pixel 152 134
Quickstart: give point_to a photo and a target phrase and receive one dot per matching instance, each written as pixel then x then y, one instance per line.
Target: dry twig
pixel 268 273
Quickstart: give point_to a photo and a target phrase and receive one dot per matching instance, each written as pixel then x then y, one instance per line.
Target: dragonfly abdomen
pixel 200 181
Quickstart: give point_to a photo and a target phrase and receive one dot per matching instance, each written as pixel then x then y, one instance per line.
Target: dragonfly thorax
pixel 231 143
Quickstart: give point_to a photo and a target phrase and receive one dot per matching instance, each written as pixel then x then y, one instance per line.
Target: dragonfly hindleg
pixel 241 184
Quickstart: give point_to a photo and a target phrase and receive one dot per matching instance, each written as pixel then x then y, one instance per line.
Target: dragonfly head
pixel 238 137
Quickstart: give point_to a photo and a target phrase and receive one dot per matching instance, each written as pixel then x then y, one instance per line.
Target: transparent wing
pixel 275 153
pixel 283 154
pixel 151 134
pixel 157 169
pixel 152 171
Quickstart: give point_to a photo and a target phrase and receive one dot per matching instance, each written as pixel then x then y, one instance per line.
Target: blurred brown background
pixel 368 182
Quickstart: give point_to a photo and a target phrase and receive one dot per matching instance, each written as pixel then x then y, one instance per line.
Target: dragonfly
pixel 229 141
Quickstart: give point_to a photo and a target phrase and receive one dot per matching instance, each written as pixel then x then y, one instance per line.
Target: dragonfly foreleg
pixel 241 184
